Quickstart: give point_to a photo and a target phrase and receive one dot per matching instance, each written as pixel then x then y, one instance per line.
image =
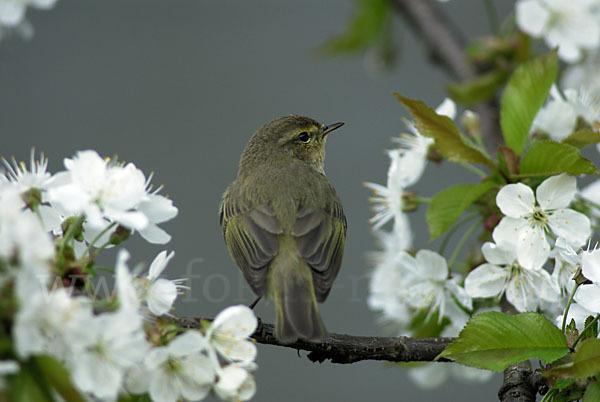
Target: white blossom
pixel 588 295
pixel 22 236
pixel 566 262
pixel 107 193
pixel 387 279
pixel 235 383
pixel 530 221
pixel 428 286
pixel 406 168
pixel 584 75
pixel 158 293
pixel 230 331
pixel 180 369
pixel 572 25
pixel 47 321
pixel 107 346
pixel 525 288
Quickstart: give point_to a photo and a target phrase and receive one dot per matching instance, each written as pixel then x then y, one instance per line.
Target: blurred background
pixel 179 87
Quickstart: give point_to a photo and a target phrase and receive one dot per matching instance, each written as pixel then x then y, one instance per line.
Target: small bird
pixel 284 224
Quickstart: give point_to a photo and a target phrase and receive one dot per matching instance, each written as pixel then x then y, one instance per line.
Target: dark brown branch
pixel 446 47
pixel 518 383
pixel 345 349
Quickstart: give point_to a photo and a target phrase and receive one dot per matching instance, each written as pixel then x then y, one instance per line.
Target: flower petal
pixel 190 342
pixel 238 321
pixel 590 265
pixel 431 265
pixel 516 200
pixel 158 208
pixel 486 280
pixel 556 192
pixel 155 235
pixel 495 254
pixel 588 296
pixel 161 296
pixel 532 247
pixel 159 264
pixel 531 17
pixel 572 225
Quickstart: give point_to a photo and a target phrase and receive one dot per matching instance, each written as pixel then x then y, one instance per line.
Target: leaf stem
pixel 564 322
pixel 473 169
pixel 462 241
pixel 454 228
pixel 492 16
pixel 76 223
pixel 98 236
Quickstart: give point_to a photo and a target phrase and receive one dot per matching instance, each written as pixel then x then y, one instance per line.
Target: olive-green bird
pixel 284 224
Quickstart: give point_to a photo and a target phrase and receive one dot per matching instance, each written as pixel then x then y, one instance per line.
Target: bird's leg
pixel 254 303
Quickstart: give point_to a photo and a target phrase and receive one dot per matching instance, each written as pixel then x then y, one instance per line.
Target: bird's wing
pixel 251 236
pixel 321 234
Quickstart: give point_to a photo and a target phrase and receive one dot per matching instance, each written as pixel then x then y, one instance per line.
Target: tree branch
pixel 446 47
pixel 345 349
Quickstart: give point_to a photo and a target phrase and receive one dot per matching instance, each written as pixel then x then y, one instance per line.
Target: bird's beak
pixel 330 127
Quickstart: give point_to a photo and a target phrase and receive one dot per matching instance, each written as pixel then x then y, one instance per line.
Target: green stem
pixel 593 322
pixel 75 224
pixel 549 395
pixel 589 202
pixel 462 241
pixel 98 236
pixel 492 16
pixel 473 169
pixel 454 228
pixel 423 200
pixel 101 268
pixel 564 322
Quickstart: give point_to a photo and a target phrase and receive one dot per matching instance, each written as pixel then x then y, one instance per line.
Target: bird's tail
pixel 297 315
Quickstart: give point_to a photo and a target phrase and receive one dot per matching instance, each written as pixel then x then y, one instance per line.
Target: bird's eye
pixel 304 136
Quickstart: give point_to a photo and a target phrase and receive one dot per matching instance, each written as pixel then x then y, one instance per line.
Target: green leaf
pixel 58 378
pixel 29 385
pixel 524 95
pixel 364 28
pixel 582 138
pixel 495 340
pixel 479 89
pixel 592 392
pixel 449 141
pixel 447 206
pixel 586 362
pixel 546 158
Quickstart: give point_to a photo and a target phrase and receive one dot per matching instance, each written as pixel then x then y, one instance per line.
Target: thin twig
pixel 345 349
pixel 447 48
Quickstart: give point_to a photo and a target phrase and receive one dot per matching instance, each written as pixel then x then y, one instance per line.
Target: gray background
pixel 178 87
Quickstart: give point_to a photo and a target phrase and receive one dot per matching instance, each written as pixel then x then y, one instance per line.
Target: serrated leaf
pixel 592 392
pixel 547 158
pixel 582 138
pixel 449 141
pixel 586 362
pixel 477 90
pixel 524 95
pixel 447 205
pixel 495 340
pixel 365 27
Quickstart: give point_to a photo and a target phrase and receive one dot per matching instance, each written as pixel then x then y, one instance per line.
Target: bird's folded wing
pixel 252 240
pixel 321 235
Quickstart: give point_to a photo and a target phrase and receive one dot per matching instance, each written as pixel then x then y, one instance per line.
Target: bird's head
pixel 292 136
